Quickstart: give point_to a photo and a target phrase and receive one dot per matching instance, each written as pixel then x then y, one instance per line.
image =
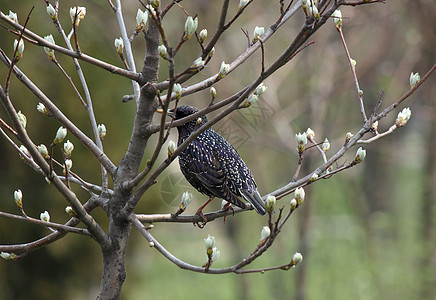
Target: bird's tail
pixel 256 201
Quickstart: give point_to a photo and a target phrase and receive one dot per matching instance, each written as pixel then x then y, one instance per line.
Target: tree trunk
pixel 114 272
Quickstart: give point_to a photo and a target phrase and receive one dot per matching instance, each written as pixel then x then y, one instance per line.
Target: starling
pixel 213 166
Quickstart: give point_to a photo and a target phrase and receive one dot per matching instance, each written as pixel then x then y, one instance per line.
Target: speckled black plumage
pixel 213 166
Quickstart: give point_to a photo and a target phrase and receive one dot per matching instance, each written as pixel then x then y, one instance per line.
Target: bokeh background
pixel 367 233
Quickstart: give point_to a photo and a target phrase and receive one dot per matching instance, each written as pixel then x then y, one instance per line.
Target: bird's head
pixel 184 111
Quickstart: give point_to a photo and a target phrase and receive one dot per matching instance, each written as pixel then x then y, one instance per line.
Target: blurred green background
pixel 367 233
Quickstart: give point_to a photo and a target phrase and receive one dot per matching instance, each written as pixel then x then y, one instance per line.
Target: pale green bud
pixel 45 216
pixel 258 32
pixel 20 48
pixel 69 210
pixel 190 27
pixel 293 203
pixel 414 79
pixel 177 88
pixel 13 16
pixel 310 134
pixel 337 18
pixel 80 11
pixel 403 117
pixel 18 197
pixel 162 51
pixel 68 148
pixel 52 12
pixel 41 108
pixel 260 89
pixel 119 45
pixel 301 139
pixel 186 200
pixel 198 63
pixel 215 254
pixel 212 92
pixel 299 195
pixel 171 147
pixel 60 135
pixel 22 118
pixel 269 203
pixel 202 35
pixel 101 128
pixel 7 255
pixel 141 19
pixel 50 52
pixel 43 151
pixel 224 69
pixel 68 164
pixel 265 233
pixel 296 258
pixel 326 145
pixel 242 4
pixel 360 155
pixel 209 242
pixel 348 137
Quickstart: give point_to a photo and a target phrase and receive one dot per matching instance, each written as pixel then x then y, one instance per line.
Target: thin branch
pixel 93 227
pixel 46 224
pixel 27 248
pixel 128 47
pixel 103 159
pixel 353 70
pixel 106 66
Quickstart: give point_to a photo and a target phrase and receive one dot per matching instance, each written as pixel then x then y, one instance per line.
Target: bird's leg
pixel 200 213
pixel 226 207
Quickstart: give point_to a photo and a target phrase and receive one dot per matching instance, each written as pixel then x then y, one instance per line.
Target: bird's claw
pixel 200 224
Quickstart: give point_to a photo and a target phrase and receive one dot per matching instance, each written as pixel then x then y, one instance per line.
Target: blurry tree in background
pixel 367 235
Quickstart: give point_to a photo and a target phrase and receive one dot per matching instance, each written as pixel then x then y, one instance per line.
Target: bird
pixel 213 166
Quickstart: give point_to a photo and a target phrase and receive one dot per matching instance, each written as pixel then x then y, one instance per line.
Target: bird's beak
pixel 169 113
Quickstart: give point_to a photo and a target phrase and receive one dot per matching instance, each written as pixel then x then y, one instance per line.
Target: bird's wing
pixel 207 171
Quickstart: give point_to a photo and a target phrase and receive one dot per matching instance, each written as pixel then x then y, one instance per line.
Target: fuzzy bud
pixel 296 258
pixel 22 118
pixel 299 195
pixel 43 151
pixel 101 128
pixel 50 52
pixel 224 69
pixel 258 32
pixel 326 145
pixel 360 155
pixel 202 35
pixel 186 200
pixel 119 45
pixel 18 197
pixel 348 137
pixel 52 12
pixel 265 233
pixel 414 79
pixel 13 16
pixel 260 89
pixel 177 88
pixel 310 134
pixel 60 135
pixel 190 27
pixel 337 18
pixel 403 117
pixel 141 19
pixel 171 147
pixel 162 51
pixel 45 216
pixel 19 46
pixel 269 203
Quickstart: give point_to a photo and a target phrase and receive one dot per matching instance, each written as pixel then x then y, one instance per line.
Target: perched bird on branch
pixel 213 166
